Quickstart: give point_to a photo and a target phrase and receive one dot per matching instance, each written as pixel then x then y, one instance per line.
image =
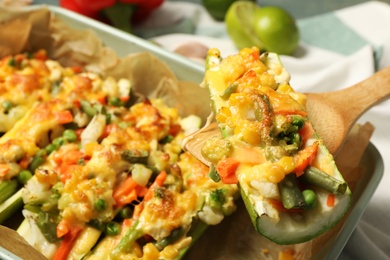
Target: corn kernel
pixel 150 252
pixel 170 252
pixel 287 163
pixel 267 80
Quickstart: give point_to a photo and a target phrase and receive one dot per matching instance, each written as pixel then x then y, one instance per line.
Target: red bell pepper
pixel 120 13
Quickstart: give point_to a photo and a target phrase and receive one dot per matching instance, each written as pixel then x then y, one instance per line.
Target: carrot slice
pixel 306 132
pixel 330 200
pixel 67 243
pixel 227 170
pixel 305 157
pixel 4 169
pixel 124 189
pixel 63 117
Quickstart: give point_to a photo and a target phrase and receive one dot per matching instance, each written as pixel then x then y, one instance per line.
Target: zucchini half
pixel 255 107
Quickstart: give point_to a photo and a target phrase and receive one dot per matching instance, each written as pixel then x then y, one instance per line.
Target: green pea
pixel 69 135
pixel 87 108
pixel 96 224
pixel 115 101
pixel 51 148
pixel 36 162
pixel 125 213
pixel 41 152
pixel 310 199
pixel 100 205
pixel 112 228
pixel 24 176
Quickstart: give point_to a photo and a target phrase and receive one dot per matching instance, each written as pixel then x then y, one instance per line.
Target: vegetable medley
pixel 103 173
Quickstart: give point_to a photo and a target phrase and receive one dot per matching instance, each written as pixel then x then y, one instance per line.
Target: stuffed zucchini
pixel 101 173
pixel 288 180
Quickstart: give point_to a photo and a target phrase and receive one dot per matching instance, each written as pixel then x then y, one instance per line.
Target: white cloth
pixel 337 50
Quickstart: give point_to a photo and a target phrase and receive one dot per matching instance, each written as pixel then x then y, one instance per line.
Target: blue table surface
pixel 298 8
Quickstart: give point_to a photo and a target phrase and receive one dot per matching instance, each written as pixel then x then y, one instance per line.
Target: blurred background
pixel 298 8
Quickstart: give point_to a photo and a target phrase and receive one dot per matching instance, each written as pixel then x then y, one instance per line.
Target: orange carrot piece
pixel 102 99
pixel 63 228
pixel 107 130
pixel 40 55
pixel 77 69
pixel 72 157
pixel 63 117
pixel 227 170
pixel 123 189
pixel 158 182
pixel 137 210
pixel 4 169
pixel 126 198
pixel 306 132
pixel 124 98
pixel 304 158
pixel 330 200
pixel 67 244
pixel 67 170
pixel 25 161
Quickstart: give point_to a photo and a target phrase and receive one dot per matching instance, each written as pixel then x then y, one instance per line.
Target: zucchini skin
pixel 317 221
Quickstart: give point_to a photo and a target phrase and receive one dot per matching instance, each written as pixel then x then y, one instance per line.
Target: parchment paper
pixel 235 238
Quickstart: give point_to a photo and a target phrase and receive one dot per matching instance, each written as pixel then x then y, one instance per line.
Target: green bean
pixel 87 108
pixel 100 108
pixel 100 205
pixel 229 90
pixel 175 235
pixel 7 189
pixel 69 135
pixel 115 101
pixel 135 156
pixel 167 139
pixel 128 239
pixel 213 174
pixel 112 228
pixel 290 193
pixel 24 176
pixel 310 198
pixel 321 179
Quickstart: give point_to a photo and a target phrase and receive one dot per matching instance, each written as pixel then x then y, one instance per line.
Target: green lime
pixel 239 21
pixel 268 28
pixel 218 8
pixel 277 29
